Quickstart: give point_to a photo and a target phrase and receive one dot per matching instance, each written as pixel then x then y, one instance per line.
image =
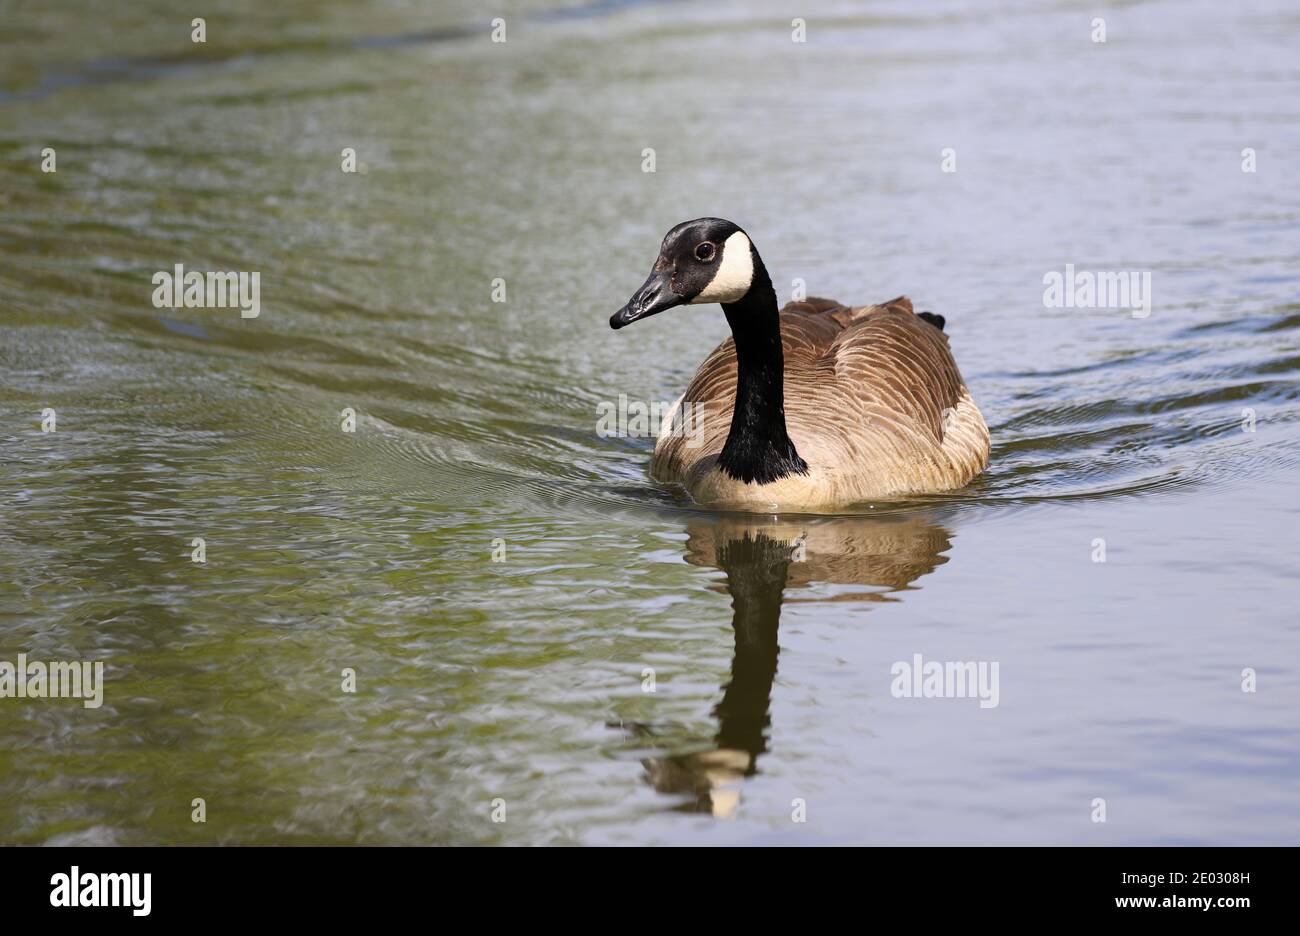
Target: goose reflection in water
pixel 766 562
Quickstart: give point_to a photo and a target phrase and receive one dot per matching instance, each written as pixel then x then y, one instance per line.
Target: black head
pixel 705 260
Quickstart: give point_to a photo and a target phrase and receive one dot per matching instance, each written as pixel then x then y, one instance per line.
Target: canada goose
pixel 830 405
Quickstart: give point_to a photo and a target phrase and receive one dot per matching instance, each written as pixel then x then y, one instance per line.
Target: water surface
pixel 770 639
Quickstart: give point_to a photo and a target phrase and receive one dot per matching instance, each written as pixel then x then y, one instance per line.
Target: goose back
pixel 874 402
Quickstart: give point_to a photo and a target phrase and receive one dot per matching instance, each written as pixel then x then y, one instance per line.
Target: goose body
pixel 811 408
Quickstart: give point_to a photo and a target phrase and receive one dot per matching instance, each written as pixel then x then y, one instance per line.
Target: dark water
pixel 771 639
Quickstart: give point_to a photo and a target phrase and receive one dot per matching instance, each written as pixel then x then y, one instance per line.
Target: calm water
pixel 522 680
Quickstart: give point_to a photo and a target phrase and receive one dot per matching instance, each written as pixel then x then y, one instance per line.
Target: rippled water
pixel 524 680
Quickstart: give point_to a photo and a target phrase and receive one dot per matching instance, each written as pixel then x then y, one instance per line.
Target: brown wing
pixel 900 369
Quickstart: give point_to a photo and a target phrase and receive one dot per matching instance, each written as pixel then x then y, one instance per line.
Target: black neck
pixel 758 448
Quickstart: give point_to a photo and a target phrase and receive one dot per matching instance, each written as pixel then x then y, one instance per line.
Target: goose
pixel 830 405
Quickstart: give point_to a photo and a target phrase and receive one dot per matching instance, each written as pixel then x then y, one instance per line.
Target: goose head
pixel 705 260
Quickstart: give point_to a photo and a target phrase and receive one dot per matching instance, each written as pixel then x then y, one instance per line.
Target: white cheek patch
pixel 735 272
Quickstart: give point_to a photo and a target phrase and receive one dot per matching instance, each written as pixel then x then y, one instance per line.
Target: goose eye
pixel 705 251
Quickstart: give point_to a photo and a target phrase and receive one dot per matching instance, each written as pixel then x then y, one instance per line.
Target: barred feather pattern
pixel 874 403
